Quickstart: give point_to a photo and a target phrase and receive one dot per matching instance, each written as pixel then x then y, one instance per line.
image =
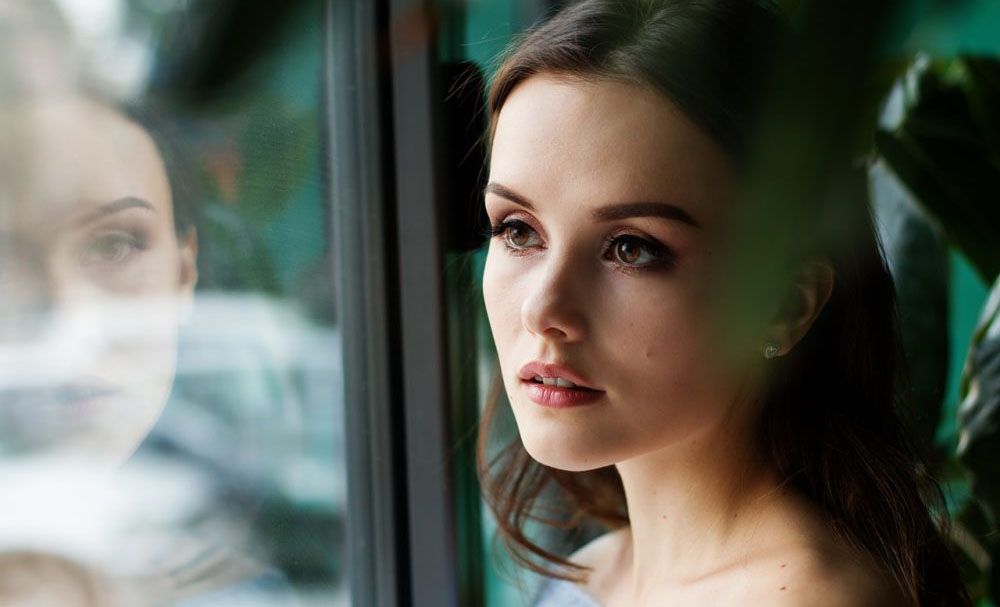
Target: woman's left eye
pixel 112 249
pixel 635 252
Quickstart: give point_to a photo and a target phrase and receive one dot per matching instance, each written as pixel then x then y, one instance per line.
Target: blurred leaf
pixel 987 328
pixel 209 45
pixel 979 422
pixel 945 151
pixel 944 145
pixel 968 528
pixel 982 87
pixel 918 259
pixel 805 140
pixel 788 7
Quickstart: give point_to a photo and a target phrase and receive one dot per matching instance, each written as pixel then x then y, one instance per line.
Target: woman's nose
pixel 555 305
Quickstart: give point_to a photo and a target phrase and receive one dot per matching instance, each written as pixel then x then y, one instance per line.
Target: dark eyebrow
pixel 495 188
pixel 115 206
pixel 610 212
pixel 644 209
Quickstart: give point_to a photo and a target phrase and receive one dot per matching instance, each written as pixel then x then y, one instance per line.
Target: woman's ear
pixel 809 291
pixel 187 245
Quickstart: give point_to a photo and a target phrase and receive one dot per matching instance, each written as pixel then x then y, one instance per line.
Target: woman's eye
pixel 636 252
pixel 111 249
pixel 517 234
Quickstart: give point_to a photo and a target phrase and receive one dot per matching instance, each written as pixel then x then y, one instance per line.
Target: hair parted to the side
pixel 847 450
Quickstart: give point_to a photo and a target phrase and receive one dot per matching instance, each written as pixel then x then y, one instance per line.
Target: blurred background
pixel 242 338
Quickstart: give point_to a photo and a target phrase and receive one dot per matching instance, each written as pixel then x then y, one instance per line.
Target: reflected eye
pixel 636 252
pixel 516 234
pixel 112 249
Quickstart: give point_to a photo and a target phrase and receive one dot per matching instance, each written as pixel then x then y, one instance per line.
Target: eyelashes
pixel 630 252
pixel 112 249
pixel 507 228
pixel 100 252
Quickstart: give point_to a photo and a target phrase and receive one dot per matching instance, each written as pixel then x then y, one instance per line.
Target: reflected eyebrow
pixel 610 212
pixel 115 206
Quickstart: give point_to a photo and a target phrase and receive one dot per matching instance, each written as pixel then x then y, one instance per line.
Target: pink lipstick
pixel 556 386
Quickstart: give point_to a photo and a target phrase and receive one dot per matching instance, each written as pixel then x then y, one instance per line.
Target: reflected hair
pixel 848 450
pixel 182 176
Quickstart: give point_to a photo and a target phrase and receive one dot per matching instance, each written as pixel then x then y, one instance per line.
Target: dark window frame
pixel 363 226
pixel 383 115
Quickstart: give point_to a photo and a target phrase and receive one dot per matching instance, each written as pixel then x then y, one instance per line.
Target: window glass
pixel 170 386
pixel 477 35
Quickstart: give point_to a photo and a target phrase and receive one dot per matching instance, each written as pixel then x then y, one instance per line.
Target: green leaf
pixel 945 151
pixel 979 429
pixel 979 415
pixel 918 259
pixel 982 88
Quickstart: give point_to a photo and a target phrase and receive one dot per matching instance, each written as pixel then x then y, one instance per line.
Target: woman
pixel 759 469
pixel 99 269
pixel 97 255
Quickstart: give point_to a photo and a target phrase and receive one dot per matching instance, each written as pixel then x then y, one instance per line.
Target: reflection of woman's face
pixel 92 275
pixel 613 203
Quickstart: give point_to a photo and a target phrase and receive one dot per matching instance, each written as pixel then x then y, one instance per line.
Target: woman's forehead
pixel 71 153
pixel 604 140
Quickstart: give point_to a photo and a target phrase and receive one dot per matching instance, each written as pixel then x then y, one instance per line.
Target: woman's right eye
pixel 516 235
pixel 111 250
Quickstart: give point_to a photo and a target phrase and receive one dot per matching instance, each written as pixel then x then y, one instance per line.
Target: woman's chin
pixel 565 453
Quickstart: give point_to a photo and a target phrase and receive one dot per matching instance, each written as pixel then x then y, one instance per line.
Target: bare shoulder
pixel 598 551
pixel 604 557
pixel 804 562
pixel 821 575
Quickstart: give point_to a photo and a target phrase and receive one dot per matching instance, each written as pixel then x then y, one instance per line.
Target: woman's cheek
pixel 496 292
pixel 663 338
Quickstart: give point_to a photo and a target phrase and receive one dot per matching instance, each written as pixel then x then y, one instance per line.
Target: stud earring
pixel 770 350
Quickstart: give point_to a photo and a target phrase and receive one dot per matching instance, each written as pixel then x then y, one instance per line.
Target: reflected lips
pixel 60 400
pixel 557 396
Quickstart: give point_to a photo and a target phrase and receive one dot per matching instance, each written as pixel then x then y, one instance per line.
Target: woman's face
pixel 93 277
pixel 612 204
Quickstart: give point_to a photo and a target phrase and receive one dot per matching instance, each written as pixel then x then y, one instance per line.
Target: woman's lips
pixel 538 368
pixel 559 398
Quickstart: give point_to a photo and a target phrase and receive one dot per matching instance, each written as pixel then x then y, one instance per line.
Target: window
pixel 173 397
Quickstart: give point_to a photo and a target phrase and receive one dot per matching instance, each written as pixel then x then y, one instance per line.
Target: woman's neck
pixel 694 508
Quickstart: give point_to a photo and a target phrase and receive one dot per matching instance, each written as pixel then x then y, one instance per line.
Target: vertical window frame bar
pixel 433 558
pixel 361 223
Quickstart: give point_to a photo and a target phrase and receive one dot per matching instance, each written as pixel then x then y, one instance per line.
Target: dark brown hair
pixel 847 450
